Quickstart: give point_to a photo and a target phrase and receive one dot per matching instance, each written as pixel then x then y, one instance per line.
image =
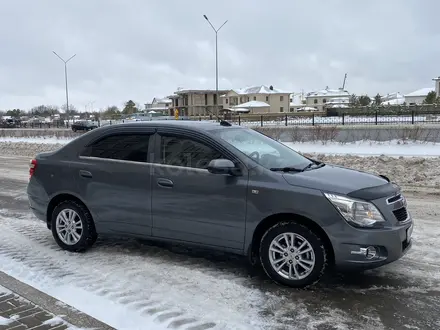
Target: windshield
pixel 261 148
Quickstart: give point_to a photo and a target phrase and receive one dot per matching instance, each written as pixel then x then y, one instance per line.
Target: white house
pixel 334 97
pixel 418 96
pixel 269 99
pixel 159 105
pixel 297 101
pixel 395 98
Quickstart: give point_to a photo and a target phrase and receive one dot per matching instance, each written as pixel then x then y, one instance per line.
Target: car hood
pixel 341 180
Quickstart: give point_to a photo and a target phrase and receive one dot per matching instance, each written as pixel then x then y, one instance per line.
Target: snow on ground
pixel 42 140
pixel 394 148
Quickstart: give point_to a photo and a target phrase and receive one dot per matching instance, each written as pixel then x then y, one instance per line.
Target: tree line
pixel 111 112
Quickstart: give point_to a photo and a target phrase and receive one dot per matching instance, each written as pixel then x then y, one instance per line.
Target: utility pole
pixel 65 76
pixel 216 59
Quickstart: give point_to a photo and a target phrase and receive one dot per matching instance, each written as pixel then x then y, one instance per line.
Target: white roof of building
pixel 421 92
pixel 252 104
pixel 259 90
pixel 162 100
pixel 329 92
pixel 391 96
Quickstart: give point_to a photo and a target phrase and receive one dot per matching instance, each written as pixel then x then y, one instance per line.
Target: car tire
pixel 79 232
pixel 310 262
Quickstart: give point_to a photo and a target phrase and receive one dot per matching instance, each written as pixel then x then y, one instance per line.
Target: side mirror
pixel 223 166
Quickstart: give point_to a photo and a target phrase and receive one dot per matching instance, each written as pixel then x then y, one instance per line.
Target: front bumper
pixel 373 249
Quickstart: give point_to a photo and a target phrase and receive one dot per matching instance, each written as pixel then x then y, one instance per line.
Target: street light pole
pixel 65 76
pixel 216 58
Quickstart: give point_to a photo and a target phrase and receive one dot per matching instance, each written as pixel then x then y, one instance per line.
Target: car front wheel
pixel 73 227
pixel 293 255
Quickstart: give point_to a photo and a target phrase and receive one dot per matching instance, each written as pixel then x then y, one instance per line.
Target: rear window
pixel 128 147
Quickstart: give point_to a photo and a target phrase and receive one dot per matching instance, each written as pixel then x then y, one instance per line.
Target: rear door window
pixel 128 147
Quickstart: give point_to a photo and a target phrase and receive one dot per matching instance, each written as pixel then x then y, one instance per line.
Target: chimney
pixel 271 87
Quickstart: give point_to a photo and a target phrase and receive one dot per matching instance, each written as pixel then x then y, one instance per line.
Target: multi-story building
pixel 437 85
pixel 195 102
pixel 297 102
pixel 257 99
pixel 159 105
pixel 334 97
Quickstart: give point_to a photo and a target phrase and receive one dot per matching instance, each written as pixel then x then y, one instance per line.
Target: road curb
pixel 50 304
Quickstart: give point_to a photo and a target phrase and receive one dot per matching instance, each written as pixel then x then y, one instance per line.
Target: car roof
pixel 188 124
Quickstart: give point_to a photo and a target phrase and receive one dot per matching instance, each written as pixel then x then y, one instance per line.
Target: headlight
pixel 358 213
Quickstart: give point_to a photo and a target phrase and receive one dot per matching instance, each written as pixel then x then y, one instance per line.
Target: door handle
pixel 85 174
pixel 165 183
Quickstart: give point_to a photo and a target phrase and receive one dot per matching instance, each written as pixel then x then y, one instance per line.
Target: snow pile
pixel 41 139
pixel 403 170
pixel 369 148
pixel 29 149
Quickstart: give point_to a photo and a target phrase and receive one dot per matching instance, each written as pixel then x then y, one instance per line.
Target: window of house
pixel 281 109
pixel 292 109
pixel 248 99
pixel 129 147
pixel 186 152
pixel 324 101
pixel 227 101
pixel 206 99
pixel 281 98
pixel 315 101
pixel 267 98
pixel 215 99
pixel 255 98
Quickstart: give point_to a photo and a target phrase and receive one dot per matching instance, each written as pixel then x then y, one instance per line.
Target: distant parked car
pixel 220 186
pixel 83 126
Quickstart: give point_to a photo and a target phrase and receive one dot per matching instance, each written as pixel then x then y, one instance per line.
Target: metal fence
pixel 291 119
pixel 351 119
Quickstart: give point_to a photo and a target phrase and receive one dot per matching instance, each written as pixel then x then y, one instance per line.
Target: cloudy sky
pixel 139 49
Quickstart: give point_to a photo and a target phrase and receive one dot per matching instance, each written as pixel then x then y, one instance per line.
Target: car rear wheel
pixel 73 227
pixel 293 255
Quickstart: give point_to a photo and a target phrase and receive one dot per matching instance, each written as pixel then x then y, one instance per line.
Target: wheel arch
pixel 266 223
pixel 57 199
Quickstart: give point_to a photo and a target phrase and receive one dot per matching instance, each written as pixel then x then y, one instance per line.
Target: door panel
pixel 115 181
pixel 191 204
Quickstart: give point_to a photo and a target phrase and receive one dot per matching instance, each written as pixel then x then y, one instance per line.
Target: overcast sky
pixel 139 49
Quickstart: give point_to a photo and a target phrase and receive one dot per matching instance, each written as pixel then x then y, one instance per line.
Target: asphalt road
pixel 404 295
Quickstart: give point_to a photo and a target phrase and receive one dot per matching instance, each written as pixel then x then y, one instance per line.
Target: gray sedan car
pixel 219 186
